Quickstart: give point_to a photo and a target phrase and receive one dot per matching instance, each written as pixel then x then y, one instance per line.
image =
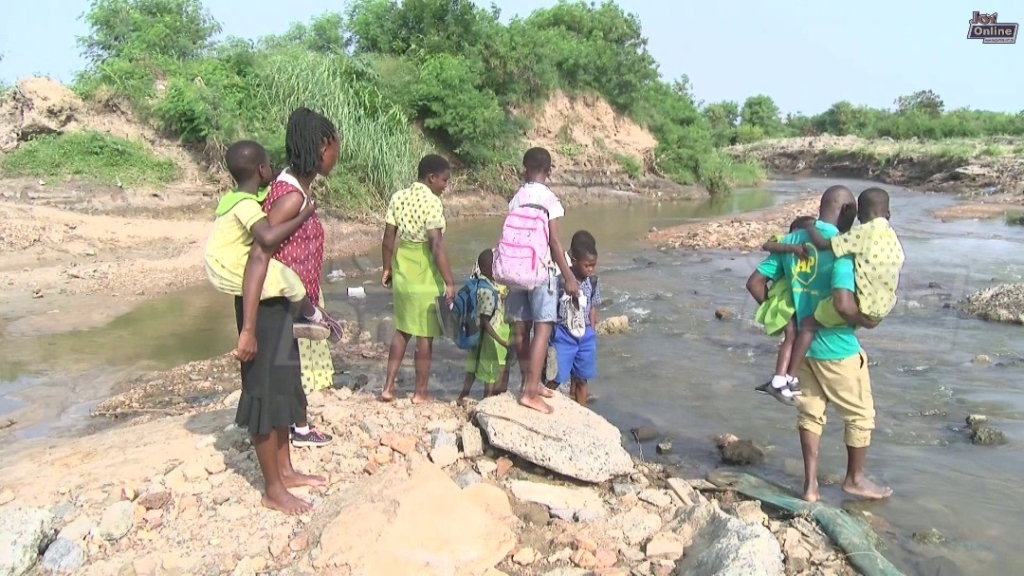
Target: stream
pixel 687 374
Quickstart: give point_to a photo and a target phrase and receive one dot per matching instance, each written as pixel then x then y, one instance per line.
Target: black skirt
pixel 272 395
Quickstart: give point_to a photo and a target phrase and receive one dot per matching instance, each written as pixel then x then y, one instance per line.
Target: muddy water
pixel 691 376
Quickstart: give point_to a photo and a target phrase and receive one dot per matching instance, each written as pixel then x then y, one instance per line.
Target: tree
pixel 761 112
pixel 136 29
pixel 325 34
pixel 599 48
pixel 922 101
pixel 722 115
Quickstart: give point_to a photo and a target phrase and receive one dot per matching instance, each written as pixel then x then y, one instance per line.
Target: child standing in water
pixel 487 361
pixel 574 338
pixel 776 315
pixel 878 258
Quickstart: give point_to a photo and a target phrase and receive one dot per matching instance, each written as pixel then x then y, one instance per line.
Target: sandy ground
pixel 70 263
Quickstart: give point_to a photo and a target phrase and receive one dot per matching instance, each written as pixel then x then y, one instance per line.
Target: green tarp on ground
pixel 854 537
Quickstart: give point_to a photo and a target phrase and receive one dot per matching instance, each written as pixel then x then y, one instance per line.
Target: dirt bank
pixel 988 174
pixel 75 257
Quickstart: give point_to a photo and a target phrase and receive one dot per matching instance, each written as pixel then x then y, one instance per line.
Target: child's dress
pixel 776 311
pixel 488 358
pixel 576 357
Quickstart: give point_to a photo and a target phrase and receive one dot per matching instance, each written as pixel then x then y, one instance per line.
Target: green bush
pixel 91 156
pixel 630 165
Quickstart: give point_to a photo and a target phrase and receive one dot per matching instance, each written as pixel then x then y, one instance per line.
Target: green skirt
pixel 775 312
pixel 416 284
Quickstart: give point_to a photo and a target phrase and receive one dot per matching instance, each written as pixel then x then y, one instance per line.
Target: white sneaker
pixel 574 320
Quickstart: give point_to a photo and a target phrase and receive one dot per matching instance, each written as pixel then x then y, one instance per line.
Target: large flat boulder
pixel 415 520
pixel 572 441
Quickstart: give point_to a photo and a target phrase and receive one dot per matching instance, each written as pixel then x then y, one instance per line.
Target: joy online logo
pixel 985 27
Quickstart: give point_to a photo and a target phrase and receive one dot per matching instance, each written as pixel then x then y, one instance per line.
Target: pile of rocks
pixel 999 303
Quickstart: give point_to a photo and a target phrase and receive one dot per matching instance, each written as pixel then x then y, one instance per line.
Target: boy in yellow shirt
pixel 878 258
pixel 241 227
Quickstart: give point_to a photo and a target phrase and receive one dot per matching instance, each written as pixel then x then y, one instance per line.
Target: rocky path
pixel 179 495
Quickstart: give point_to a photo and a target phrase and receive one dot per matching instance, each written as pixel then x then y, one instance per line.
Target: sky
pixel 805 54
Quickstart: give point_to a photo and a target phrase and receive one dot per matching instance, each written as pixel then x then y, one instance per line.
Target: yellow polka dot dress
pixel 416 280
pixel 878 258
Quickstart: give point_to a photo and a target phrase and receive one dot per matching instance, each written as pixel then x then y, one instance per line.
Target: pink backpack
pixel 520 260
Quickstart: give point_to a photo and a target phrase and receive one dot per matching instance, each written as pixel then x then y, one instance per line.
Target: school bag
pixel 465 315
pixel 520 260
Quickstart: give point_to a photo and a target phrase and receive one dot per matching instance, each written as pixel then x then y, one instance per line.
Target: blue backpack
pixel 464 327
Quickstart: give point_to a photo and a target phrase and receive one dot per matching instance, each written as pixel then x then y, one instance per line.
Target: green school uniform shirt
pixel 812 281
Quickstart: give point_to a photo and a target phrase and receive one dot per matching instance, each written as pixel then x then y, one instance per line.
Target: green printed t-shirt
pixel 813 280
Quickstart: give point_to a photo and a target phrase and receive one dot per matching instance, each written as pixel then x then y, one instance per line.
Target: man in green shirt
pixel 836 368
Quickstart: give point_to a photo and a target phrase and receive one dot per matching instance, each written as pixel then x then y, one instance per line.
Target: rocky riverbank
pixel 179 494
pixel 987 173
pixel 747 232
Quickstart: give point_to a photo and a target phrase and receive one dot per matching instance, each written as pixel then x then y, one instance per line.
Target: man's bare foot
pixel 418 399
pixel 811 491
pixel 866 489
pixel 296 480
pixel 387 395
pixel 286 503
pixel 545 392
pixel 536 403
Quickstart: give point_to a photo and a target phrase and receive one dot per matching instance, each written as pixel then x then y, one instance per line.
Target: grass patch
pixel 630 165
pixel 746 174
pixel 90 156
pixel 1015 219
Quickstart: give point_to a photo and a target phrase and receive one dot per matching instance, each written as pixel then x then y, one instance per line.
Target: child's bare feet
pixel 866 489
pixel 811 490
pixel 537 403
pixel 387 395
pixel 295 480
pixel 420 398
pixel 283 501
pixel 546 392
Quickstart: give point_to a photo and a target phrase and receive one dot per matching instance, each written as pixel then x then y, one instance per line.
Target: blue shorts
pixel 576 358
pixel 537 305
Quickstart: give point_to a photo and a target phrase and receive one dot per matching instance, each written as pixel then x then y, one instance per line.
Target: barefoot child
pixel 534 309
pixel 878 258
pixel 241 225
pixel 776 313
pixel 487 360
pixel 574 339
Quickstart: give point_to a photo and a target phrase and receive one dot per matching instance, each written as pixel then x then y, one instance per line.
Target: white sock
pixel 302 431
pixel 791 379
pixel 317 315
pixel 779 381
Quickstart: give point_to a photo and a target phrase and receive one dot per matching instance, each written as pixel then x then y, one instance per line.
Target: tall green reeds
pixel 379 150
